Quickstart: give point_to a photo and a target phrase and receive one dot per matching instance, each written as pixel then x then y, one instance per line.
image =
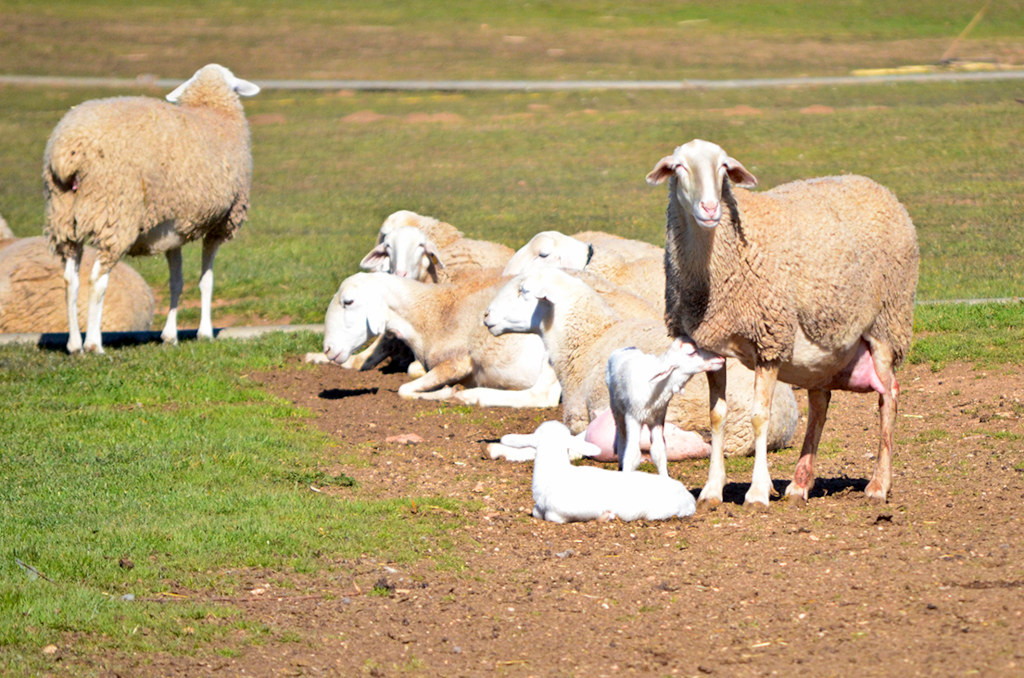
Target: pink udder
pixel 859 375
pixel 679 443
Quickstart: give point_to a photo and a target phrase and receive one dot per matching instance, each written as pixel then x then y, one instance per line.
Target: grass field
pixel 169 452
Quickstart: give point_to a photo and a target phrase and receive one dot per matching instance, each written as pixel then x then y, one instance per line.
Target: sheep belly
pixel 815 367
pixel 161 238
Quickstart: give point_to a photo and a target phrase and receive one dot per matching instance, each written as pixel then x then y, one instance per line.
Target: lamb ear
pixel 663 170
pixel 738 174
pixel 663 374
pixel 376 259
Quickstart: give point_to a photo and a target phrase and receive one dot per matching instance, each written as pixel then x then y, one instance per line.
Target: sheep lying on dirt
pixel 811 283
pixel 564 493
pixel 640 386
pixel 136 176
pixel 633 265
pixel 580 331
pixel 32 290
pixel 441 323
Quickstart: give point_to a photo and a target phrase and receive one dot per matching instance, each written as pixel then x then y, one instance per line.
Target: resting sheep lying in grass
pixel 564 493
pixel 580 331
pixel 136 176
pixel 32 290
pixel 640 386
pixel 441 323
pixel 811 283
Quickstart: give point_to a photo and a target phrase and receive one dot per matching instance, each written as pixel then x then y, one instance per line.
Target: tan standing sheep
pixel 137 176
pixel 811 283
pixel 32 291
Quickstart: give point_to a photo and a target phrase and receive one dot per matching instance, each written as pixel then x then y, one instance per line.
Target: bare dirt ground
pixel 930 584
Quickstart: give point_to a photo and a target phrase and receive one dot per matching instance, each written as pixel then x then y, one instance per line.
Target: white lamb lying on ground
pixel 563 493
pixel 640 386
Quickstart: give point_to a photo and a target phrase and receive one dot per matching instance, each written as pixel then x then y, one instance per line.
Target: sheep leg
pixel 659 452
pixel 442 375
pixel 803 475
pixel 711 494
pixel 546 392
pixel 98 281
pixel 210 248
pixel 174 285
pixel 881 480
pixel 765 376
pixel 71 283
pixel 627 442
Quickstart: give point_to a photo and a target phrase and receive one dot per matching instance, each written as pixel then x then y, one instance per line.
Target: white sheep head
pixel 550 249
pixel 523 304
pixel 356 314
pixel 407 252
pixel 700 168
pixel 235 84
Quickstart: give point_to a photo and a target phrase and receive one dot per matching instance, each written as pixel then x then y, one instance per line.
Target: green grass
pixel 171 459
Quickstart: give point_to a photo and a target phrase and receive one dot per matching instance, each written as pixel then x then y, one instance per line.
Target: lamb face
pixel 355 315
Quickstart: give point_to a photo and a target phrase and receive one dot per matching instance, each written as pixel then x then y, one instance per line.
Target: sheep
pixel 441 324
pixel 564 493
pixel 420 247
pixel 5 231
pixel 580 330
pixel 32 287
pixel 640 386
pixel 638 267
pixel 139 176
pixel 811 283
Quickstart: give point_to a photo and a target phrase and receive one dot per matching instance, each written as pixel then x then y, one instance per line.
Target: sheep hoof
pixel 708 503
pixel 796 494
pixel 169 338
pixel 93 348
pixel 876 493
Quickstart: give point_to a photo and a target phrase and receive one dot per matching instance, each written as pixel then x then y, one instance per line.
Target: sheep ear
pixel 663 170
pixel 176 94
pixel 244 87
pixel 664 374
pixel 738 174
pixel 431 251
pixel 376 320
pixel 376 259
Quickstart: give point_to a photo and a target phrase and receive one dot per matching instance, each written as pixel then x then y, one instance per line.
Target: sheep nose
pixel 709 207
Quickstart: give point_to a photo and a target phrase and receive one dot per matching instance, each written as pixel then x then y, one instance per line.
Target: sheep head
pixel 356 314
pixel 407 252
pixel 700 168
pixel 522 305
pixel 549 248
pixel 234 83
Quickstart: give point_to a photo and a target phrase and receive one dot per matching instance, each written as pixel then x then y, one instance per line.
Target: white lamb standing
pixel 564 493
pixel 137 176
pixel 640 386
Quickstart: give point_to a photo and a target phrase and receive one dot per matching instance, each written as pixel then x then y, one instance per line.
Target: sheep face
pixel 549 249
pixel 685 356
pixel 355 315
pixel 700 168
pixel 520 306
pixel 407 252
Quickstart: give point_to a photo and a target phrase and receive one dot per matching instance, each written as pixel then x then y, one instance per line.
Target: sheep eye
pixel 346 302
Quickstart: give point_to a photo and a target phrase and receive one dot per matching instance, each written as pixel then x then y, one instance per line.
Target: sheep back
pixel 32 292
pixel 833 257
pixel 115 168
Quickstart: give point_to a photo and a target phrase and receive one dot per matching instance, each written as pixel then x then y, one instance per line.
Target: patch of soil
pixel 931 583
